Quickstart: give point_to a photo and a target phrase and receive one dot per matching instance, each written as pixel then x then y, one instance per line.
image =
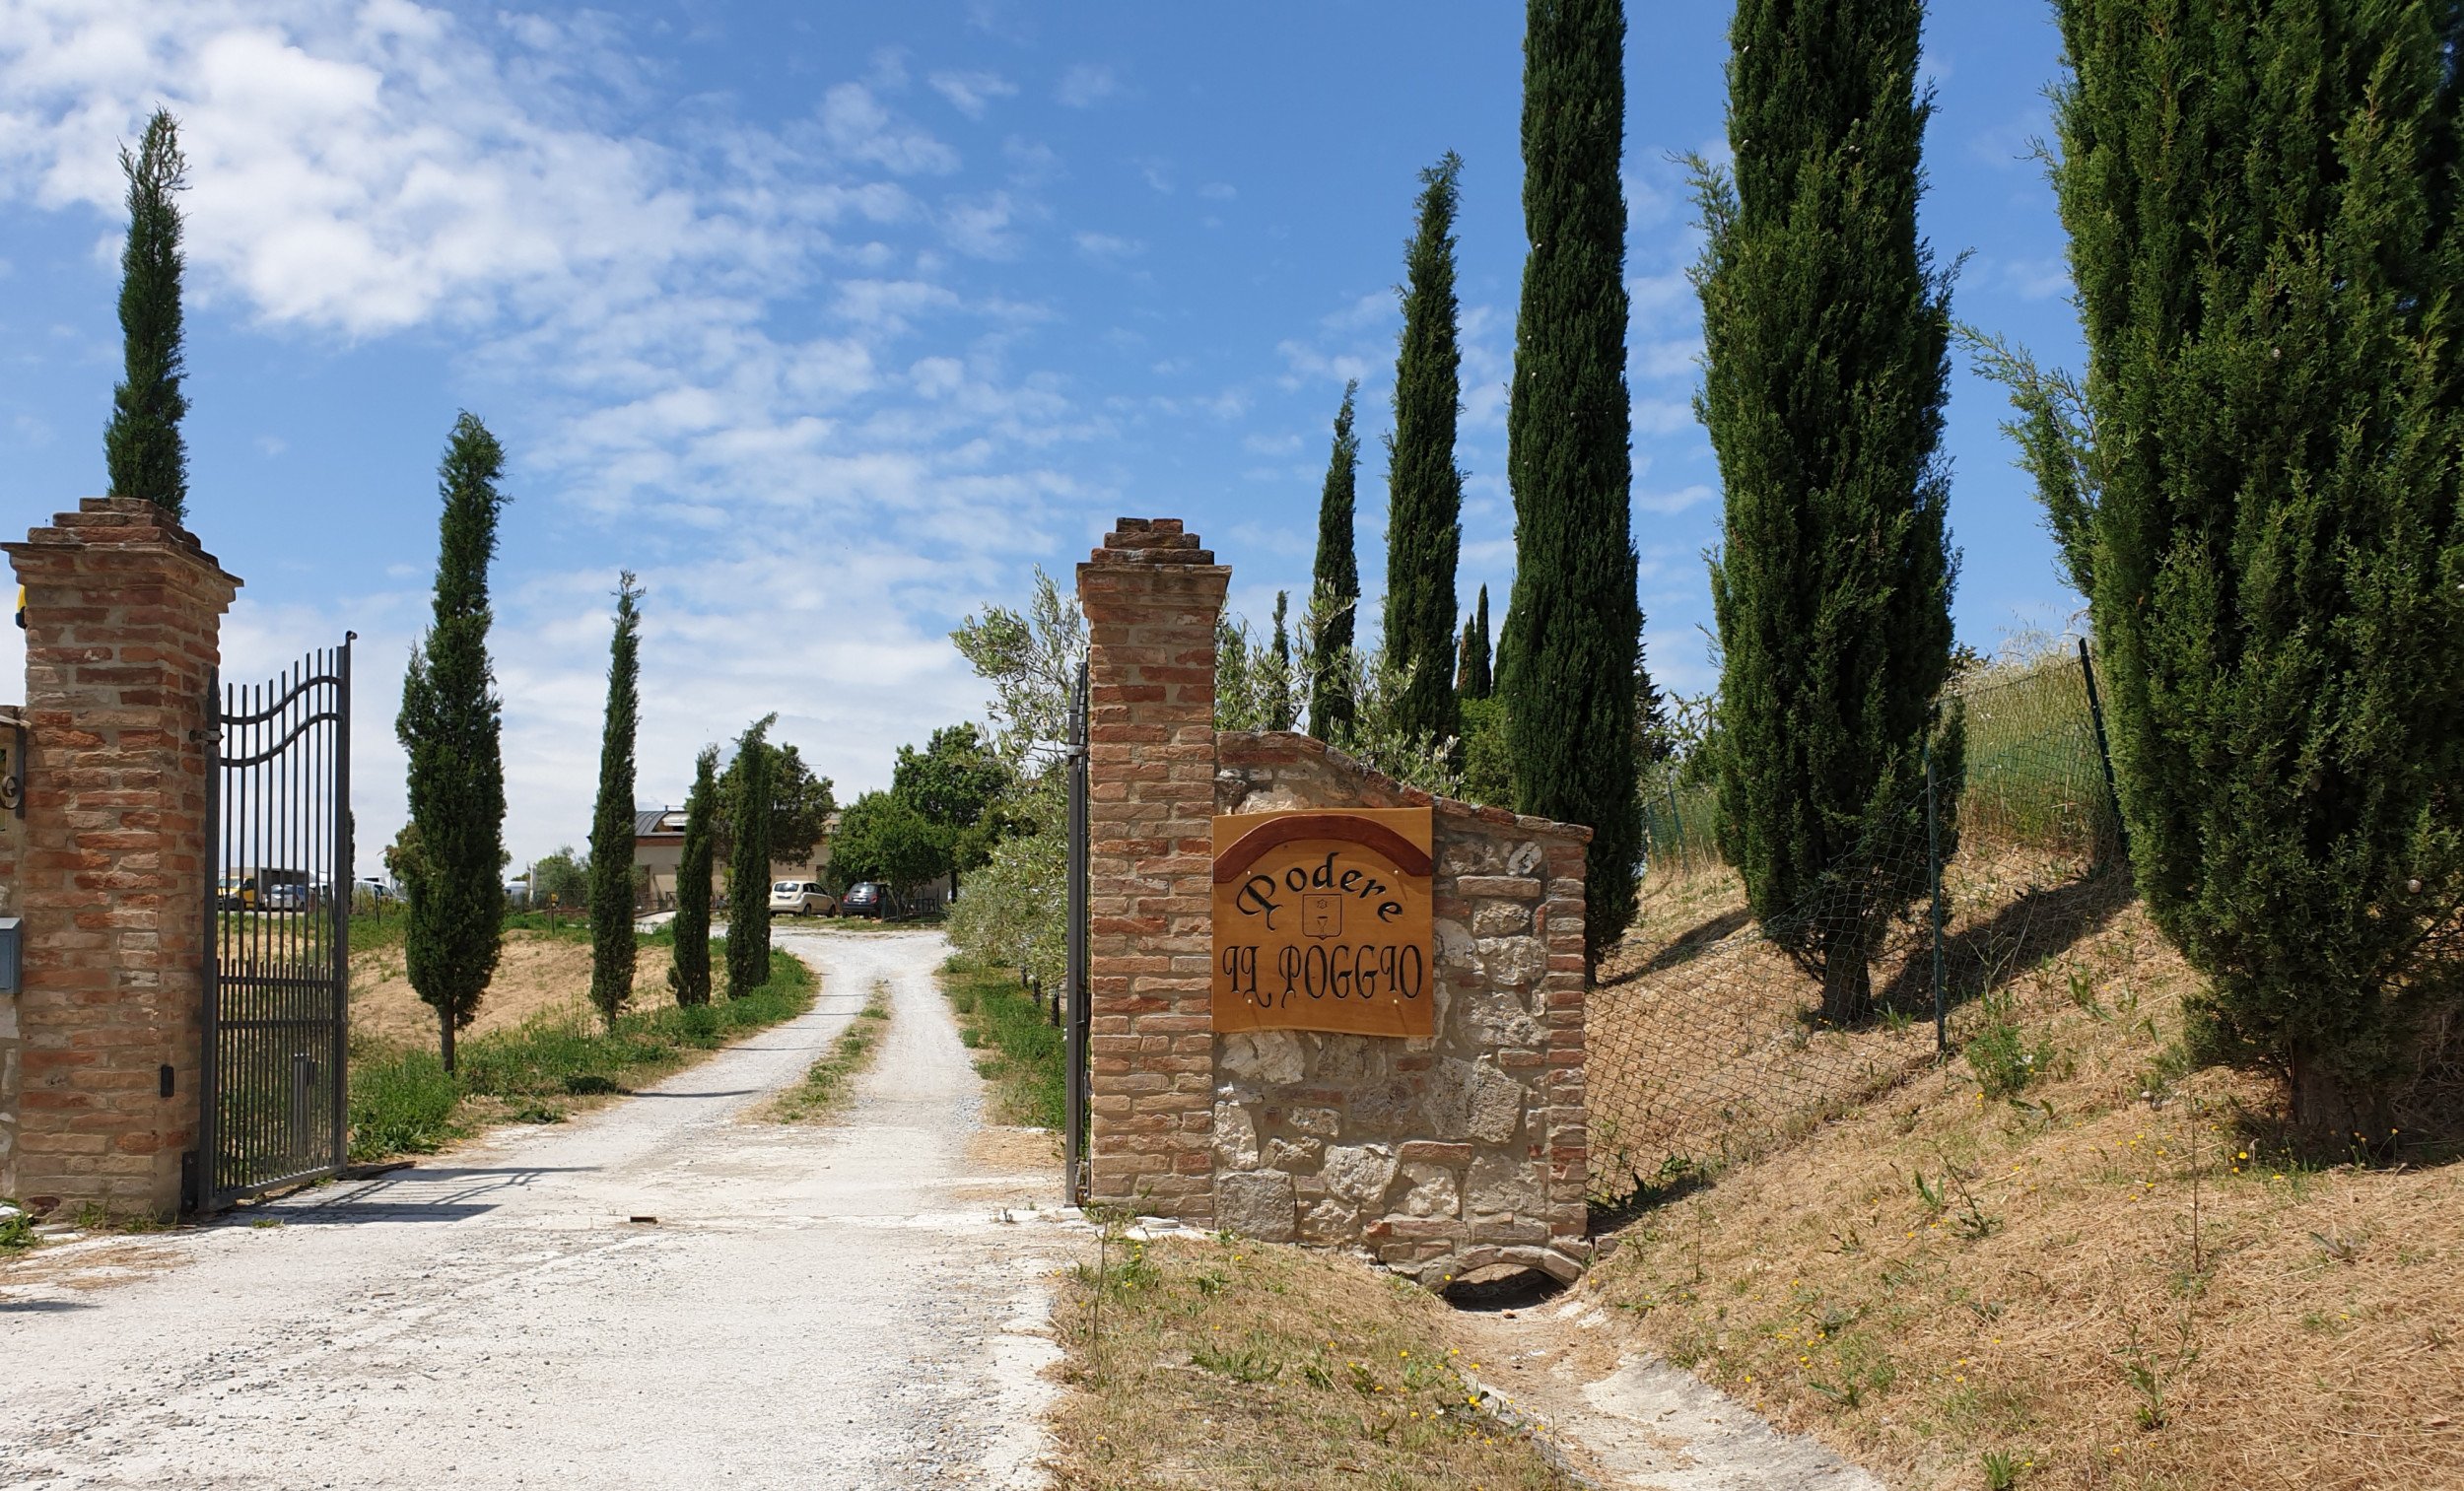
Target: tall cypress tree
pixel 1565 662
pixel 612 826
pixel 689 975
pixel 1280 703
pixel 1424 486
pixel 449 729
pixel 1335 588
pixel 748 862
pixel 141 448
pixel 2263 206
pixel 1825 330
pixel 1471 672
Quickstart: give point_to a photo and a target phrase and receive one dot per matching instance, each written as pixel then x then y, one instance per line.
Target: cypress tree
pixel 1826 330
pixel 455 900
pixel 748 863
pixel 1424 486
pixel 141 448
pixel 2263 209
pixel 1565 662
pixel 1471 675
pixel 1279 705
pixel 612 826
pixel 689 975
pixel 1335 588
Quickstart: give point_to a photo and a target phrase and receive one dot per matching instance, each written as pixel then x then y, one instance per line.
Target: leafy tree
pixel 1487 759
pixel 1472 673
pixel 611 824
pixel 800 804
pixel 1014 914
pixel 956 782
pixel 748 860
pixel 1280 689
pixel 141 447
pixel 1565 661
pixel 1254 684
pixel 884 836
pixel 689 975
pixel 2263 206
pixel 449 729
pixel 1424 486
pixel 561 880
pixel 1031 658
pixel 1335 589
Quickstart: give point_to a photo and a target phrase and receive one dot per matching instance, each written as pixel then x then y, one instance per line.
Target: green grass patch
pixel 402 1102
pixel 1021 1049
pixel 828 1081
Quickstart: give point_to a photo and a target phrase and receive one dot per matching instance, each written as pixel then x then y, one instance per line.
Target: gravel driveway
pixel 838 1306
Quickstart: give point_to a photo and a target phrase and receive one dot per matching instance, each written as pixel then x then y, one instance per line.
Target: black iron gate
pixel 1074 1140
pixel 277 930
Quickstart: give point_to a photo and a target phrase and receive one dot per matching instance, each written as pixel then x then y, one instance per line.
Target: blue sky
pixel 833 320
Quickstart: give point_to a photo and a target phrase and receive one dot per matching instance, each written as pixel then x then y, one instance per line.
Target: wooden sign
pixel 1322 921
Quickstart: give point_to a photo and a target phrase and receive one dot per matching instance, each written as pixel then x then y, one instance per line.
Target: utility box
pixel 12 953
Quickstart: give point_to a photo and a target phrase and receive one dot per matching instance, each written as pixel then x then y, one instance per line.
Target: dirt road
pixel 840 1307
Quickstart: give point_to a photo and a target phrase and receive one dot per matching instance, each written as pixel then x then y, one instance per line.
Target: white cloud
pixel 1110 247
pixel 2037 279
pixel 615 296
pixel 1670 503
pixel 1085 85
pixel 1309 364
pixel 1218 191
pixel 971 93
pixel 854 121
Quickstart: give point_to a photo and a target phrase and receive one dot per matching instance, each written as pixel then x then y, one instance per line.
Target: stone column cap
pixel 129 523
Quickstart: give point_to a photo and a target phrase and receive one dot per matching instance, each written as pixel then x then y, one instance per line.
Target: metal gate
pixel 277 930
pixel 1073 1140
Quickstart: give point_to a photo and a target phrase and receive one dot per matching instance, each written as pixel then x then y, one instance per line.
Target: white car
pixel 801 898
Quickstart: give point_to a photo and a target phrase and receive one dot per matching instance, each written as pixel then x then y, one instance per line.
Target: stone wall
pixel 1440 1155
pixel 122 622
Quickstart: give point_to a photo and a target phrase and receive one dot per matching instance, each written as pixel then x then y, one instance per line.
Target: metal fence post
pixel 2104 752
pixel 1079 995
pixel 1933 880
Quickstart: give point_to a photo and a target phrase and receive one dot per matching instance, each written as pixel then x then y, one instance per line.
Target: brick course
pixel 122 634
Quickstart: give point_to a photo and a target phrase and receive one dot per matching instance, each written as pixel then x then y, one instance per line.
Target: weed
pixel 2001 1469
pixel 1248 1362
pixel 1999 1052
pixel 17 1228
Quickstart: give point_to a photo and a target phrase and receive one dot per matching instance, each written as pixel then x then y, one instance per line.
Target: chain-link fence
pixel 1713 1037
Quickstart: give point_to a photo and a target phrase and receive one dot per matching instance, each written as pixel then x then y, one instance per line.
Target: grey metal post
pixel 342 884
pixel 2104 750
pixel 1933 880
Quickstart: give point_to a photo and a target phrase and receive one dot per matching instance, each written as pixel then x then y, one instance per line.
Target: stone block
pixel 1431 1191
pixel 1504 1180
pixel 1359 1173
pixel 1496 1106
pixel 1257 1203
pixel 1271 1057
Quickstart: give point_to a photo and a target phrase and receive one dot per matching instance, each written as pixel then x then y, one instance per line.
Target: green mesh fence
pixel 1707 1036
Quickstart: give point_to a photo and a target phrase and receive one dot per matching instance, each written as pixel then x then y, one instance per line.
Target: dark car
pixel 865 898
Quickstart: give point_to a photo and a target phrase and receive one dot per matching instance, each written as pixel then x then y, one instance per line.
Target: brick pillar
pixel 123 618
pixel 1152 599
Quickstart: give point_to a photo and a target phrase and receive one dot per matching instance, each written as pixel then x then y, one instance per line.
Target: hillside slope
pixel 2106 1274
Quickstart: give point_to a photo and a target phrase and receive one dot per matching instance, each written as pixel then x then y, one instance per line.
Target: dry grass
pixel 1232 1364
pixel 829 1081
pixel 2102 1288
pixel 1705 1048
pixel 540 974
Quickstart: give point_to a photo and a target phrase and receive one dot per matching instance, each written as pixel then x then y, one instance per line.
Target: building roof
pixel 649 823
